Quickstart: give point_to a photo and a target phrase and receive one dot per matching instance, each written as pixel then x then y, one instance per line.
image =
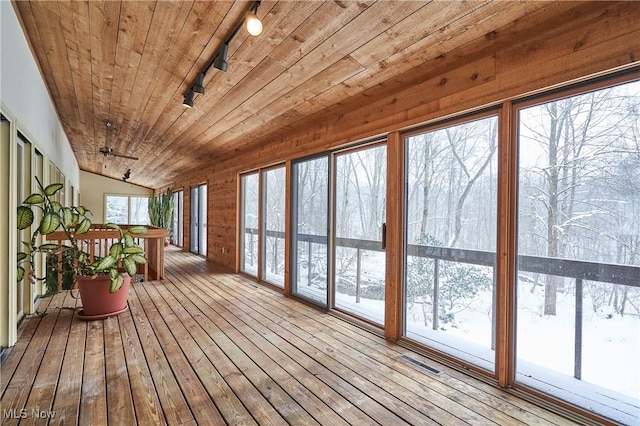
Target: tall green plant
pixel 161 209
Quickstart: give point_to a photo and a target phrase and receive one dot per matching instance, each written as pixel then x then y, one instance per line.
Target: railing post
pixel 436 292
pixel 358 257
pixel 577 363
pixel 275 256
pixel 251 247
pixel 309 266
pixel 493 311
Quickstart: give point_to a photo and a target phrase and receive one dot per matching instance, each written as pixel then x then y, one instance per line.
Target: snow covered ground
pixel 610 373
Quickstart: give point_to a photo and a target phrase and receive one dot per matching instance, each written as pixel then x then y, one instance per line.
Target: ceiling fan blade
pixel 115 154
pixel 109 152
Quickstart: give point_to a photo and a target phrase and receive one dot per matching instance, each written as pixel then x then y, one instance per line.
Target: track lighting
pixel 254 25
pixel 127 175
pixel 220 62
pixel 198 86
pixel 188 99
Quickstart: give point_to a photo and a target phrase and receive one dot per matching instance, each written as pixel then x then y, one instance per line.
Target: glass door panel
pixel 202 212
pixel 178 218
pixel 359 257
pixel 578 244
pixel 310 220
pixel 273 215
pixel 198 228
pixel 249 186
pixel 450 235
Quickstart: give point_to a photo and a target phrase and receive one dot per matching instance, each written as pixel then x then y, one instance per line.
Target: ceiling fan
pixel 109 152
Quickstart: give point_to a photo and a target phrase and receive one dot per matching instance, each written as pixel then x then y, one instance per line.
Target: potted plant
pixel 103 281
pixel 161 211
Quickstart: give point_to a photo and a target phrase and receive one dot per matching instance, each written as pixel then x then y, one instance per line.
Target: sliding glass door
pixel 198 218
pixel 273 222
pixel 250 199
pixel 177 237
pixel 578 285
pixel 310 229
pixel 450 234
pixel 358 249
pixel 344 269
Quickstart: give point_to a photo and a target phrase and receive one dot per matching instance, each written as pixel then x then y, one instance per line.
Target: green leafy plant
pixel 161 209
pixel 124 253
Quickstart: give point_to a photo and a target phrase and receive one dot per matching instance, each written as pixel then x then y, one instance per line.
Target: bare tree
pixel 570 145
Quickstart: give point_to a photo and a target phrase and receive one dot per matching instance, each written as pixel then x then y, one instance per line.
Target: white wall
pixel 25 99
pixel 94 188
pixel 25 102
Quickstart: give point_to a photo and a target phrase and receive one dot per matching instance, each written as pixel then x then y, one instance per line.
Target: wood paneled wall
pixel 589 40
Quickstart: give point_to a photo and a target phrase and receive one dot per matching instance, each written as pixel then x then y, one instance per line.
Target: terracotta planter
pixel 97 302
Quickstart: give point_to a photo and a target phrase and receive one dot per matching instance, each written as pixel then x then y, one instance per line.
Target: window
pixel 23 180
pixel 127 210
pixel 578 243
pixel 450 217
pixel 139 210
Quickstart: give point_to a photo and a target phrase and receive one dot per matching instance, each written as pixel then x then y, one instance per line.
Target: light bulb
pixel 254 25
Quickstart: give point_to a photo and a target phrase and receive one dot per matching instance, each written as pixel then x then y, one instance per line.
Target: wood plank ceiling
pixel 130 62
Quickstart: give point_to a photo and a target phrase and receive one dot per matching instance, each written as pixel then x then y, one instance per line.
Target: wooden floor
pixel 204 347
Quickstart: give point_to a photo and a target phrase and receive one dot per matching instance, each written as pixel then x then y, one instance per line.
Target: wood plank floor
pixel 209 347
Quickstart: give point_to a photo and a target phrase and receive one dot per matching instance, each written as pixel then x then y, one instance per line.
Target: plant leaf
pixel 113 273
pixel 105 263
pixel 25 217
pixel 137 229
pixel 53 188
pixel 84 226
pixel 116 250
pixel 56 206
pixel 116 284
pixel 20 275
pixel 112 226
pixel 49 246
pixel 130 266
pixel 34 198
pixel 128 241
pixel 133 250
pixel 138 258
pixel 49 223
pixel 67 217
pixel 22 256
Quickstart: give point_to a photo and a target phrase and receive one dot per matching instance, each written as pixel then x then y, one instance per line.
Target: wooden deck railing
pixel 97 241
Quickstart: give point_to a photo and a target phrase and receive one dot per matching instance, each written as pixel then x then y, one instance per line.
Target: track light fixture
pixel 198 86
pixel 220 61
pixel 188 98
pixel 126 175
pixel 254 27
